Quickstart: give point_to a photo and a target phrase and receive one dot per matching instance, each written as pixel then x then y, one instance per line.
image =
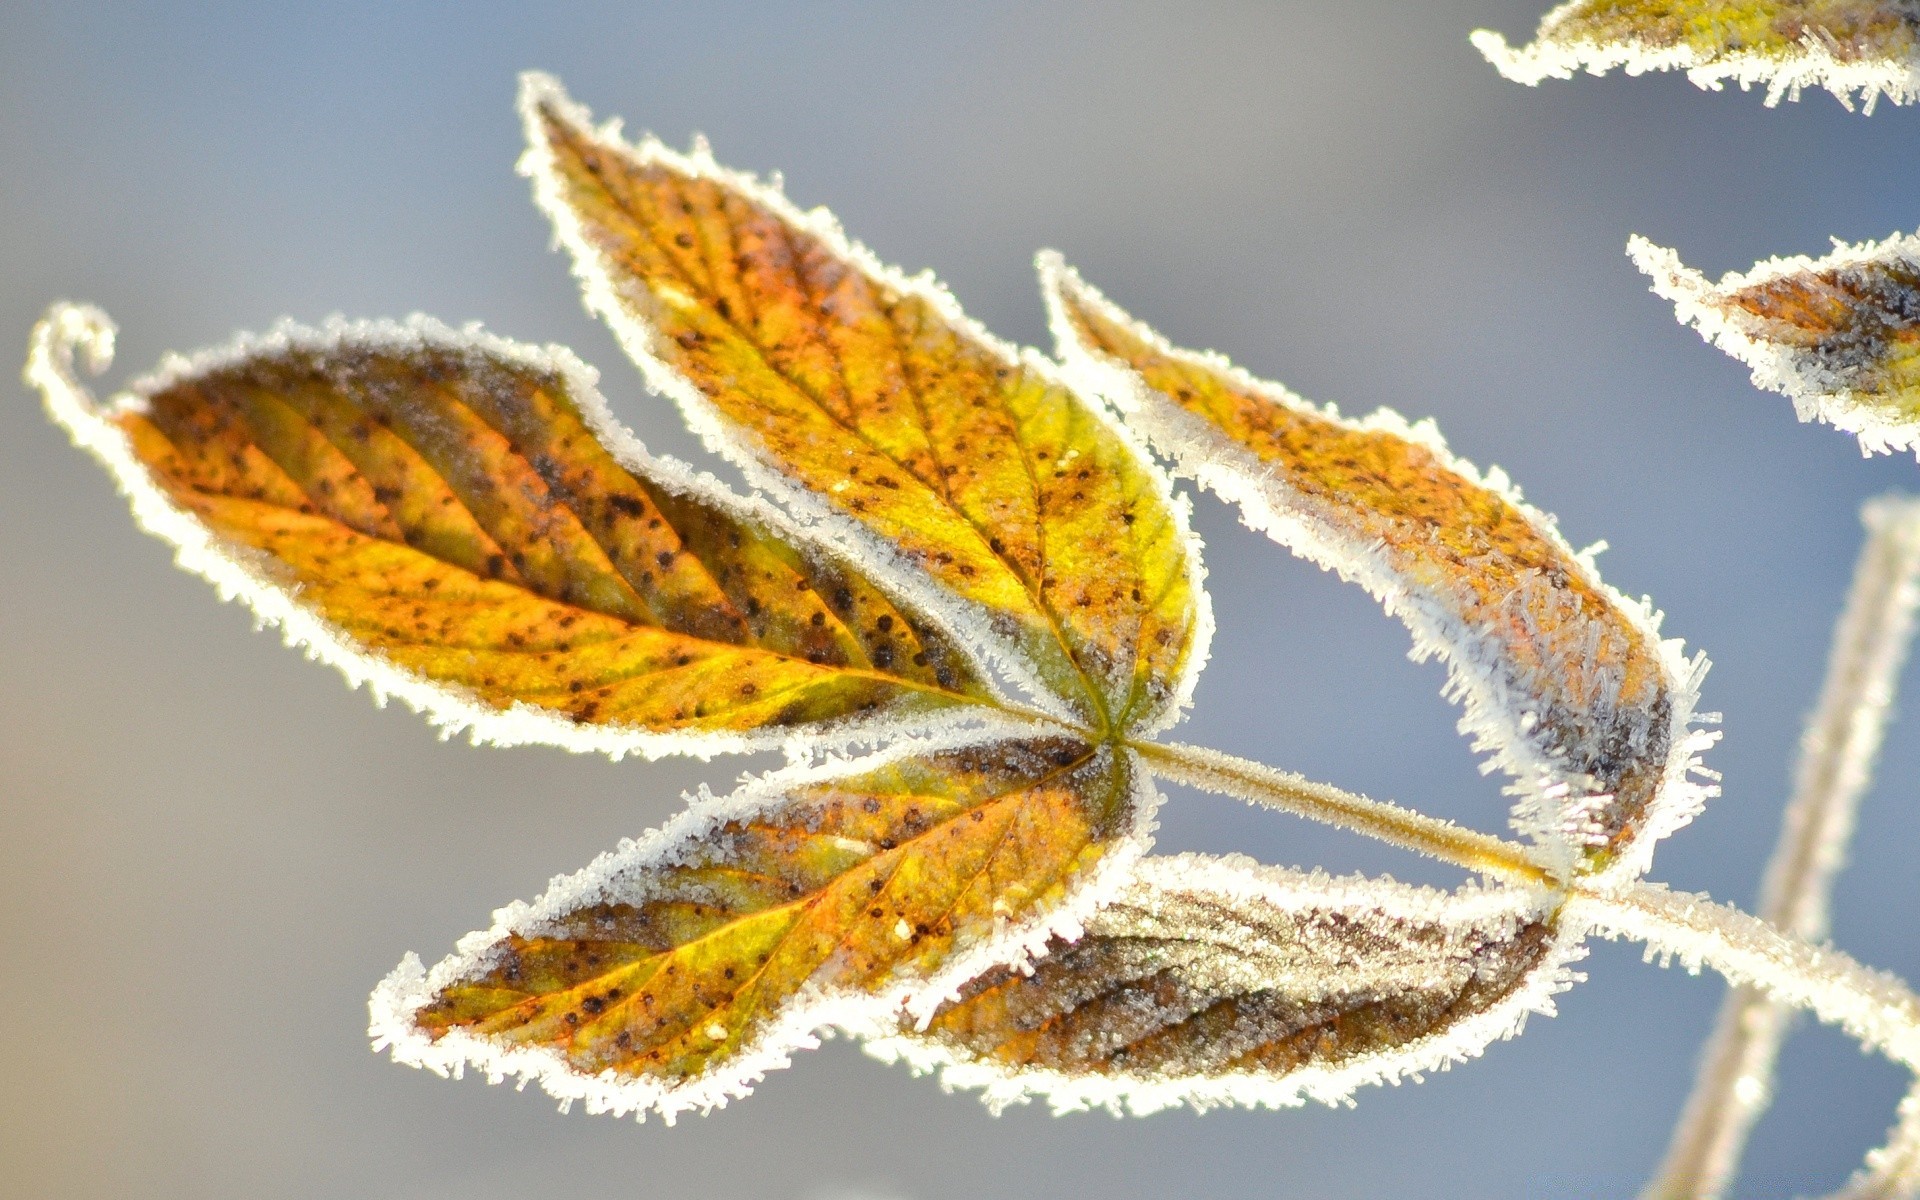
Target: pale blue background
pixel 210 849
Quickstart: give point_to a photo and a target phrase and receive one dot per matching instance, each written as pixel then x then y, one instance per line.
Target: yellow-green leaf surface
pixel 1210 981
pixel 1563 677
pixel 1839 334
pixel 459 520
pixel 1867 46
pixel 675 971
pixel 953 456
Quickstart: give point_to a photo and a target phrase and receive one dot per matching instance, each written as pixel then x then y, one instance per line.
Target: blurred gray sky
pixel 210 850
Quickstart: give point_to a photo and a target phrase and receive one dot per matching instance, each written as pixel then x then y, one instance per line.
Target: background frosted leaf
pixel 1565 679
pixel 1212 981
pixel 1846 46
pixel 797 352
pixel 459 520
pixel 1838 334
pixel 676 970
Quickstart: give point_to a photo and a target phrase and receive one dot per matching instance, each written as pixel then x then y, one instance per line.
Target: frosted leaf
pixel 675 971
pixel 1211 981
pixel 459 521
pixel 1840 335
pixel 1564 679
pixel 1845 46
pixel 965 469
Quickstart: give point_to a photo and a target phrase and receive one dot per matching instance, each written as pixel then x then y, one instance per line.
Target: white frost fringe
pixel 1551 809
pixel 1818 394
pixel 609 296
pixel 241 573
pixel 1238 882
pixel 618 873
pixel 1816 65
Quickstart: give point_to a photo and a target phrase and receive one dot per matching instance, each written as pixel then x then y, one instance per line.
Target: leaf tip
pixel 1493 47
pixel 66 333
pixel 538 90
pixel 1672 279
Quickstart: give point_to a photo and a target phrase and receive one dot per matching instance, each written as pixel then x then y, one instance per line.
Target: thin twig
pixel 1257 783
pixel 1874 1007
pixel 1837 755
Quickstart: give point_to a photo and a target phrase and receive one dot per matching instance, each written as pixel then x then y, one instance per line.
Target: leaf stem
pixel 1786 969
pixel 1837 754
pixel 1874 1007
pixel 1257 783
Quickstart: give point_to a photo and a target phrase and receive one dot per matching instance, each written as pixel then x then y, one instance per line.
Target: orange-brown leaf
pixel 1207 981
pixel 970 463
pixel 674 971
pixel 459 519
pixel 1840 334
pixel 1565 677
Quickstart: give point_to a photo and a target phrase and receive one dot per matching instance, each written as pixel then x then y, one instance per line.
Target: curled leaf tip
pixel 64 333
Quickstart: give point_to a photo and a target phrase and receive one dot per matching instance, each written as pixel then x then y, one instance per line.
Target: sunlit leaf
pixel 1563 678
pixel 935 447
pixel 1211 981
pixel 676 970
pixel 1845 46
pixel 1840 334
pixel 460 521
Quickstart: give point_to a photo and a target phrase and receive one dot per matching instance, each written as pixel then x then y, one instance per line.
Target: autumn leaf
pixel 1845 46
pixel 1839 334
pixel 674 971
pixel 1212 981
pixel 459 521
pixel 1563 678
pixel 853 391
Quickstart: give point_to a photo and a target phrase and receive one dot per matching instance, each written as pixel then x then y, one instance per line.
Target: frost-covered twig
pixel 1874 1007
pixel 1836 765
pixel 1256 783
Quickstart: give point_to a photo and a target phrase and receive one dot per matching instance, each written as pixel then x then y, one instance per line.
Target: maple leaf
pixel 1845 46
pixel 1839 334
pixel 967 557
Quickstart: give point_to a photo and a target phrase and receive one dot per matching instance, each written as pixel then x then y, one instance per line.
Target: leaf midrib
pixel 825 669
